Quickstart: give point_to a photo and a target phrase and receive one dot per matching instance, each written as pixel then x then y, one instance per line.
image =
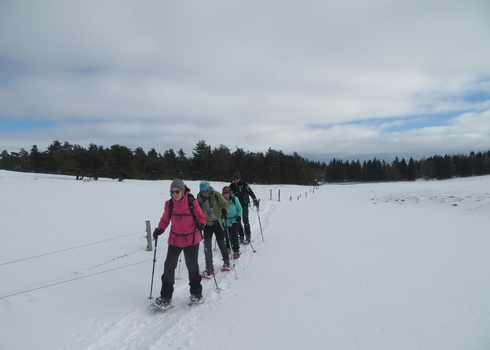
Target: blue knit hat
pixel 204 186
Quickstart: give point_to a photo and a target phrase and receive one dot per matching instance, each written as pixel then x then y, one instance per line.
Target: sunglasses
pixel 175 192
pixel 204 191
pixel 226 193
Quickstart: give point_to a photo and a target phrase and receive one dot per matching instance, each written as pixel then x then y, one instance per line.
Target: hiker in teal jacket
pixel 232 220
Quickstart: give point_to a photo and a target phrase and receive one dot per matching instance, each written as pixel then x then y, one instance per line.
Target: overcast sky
pixel 326 79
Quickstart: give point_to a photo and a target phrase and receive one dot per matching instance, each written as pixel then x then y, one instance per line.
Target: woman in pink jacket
pixel 187 220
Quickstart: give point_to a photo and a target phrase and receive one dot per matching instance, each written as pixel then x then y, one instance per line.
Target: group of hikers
pixel 193 220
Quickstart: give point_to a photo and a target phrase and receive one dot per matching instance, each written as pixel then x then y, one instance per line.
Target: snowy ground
pixel 355 266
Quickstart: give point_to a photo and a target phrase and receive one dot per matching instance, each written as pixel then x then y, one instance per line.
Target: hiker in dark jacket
pixel 186 219
pixel 243 191
pixel 215 207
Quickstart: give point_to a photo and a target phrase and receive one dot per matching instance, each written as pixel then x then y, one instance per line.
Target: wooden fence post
pixel 148 236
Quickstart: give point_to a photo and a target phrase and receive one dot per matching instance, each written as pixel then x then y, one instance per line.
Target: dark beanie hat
pixel 178 183
pixel 237 175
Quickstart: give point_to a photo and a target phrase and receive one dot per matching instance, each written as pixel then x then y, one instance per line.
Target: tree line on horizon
pixel 218 164
pixel 435 167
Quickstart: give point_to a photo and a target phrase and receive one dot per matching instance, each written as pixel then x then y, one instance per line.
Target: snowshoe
pixel 247 240
pixel 208 273
pixel 163 303
pixel 226 266
pixel 196 299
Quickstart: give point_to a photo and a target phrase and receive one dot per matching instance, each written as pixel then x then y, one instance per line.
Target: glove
pixel 256 203
pixel 224 213
pixel 238 219
pixel 156 233
pixel 199 225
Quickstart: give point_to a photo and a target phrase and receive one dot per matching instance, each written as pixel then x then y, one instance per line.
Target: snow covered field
pixel 353 266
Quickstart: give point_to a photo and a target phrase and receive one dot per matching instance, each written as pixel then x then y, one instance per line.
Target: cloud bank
pixel 337 79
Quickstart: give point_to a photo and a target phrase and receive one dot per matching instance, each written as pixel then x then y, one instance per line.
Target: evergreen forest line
pixel 218 164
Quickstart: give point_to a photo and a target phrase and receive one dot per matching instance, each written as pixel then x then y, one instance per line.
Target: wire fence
pixel 66 249
pixel 79 277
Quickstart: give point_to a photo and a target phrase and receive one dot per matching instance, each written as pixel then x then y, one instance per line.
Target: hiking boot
pixel 163 302
pixel 247 239
pixel 236 254
pixel 241 240
pixel 196 298
pixel 226 264
pixel 208 272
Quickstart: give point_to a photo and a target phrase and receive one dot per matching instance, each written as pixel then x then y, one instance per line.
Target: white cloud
pixel 250 74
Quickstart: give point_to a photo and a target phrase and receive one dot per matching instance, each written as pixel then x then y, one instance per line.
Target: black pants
pixel 191 254
pixel 245 221
pixel 220 240
pixel 233 231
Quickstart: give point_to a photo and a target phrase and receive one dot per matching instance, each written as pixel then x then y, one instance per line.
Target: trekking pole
pixel 260 224
pixel 218 289
pixel 253 249
pixel 154 261
pixel 232 257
